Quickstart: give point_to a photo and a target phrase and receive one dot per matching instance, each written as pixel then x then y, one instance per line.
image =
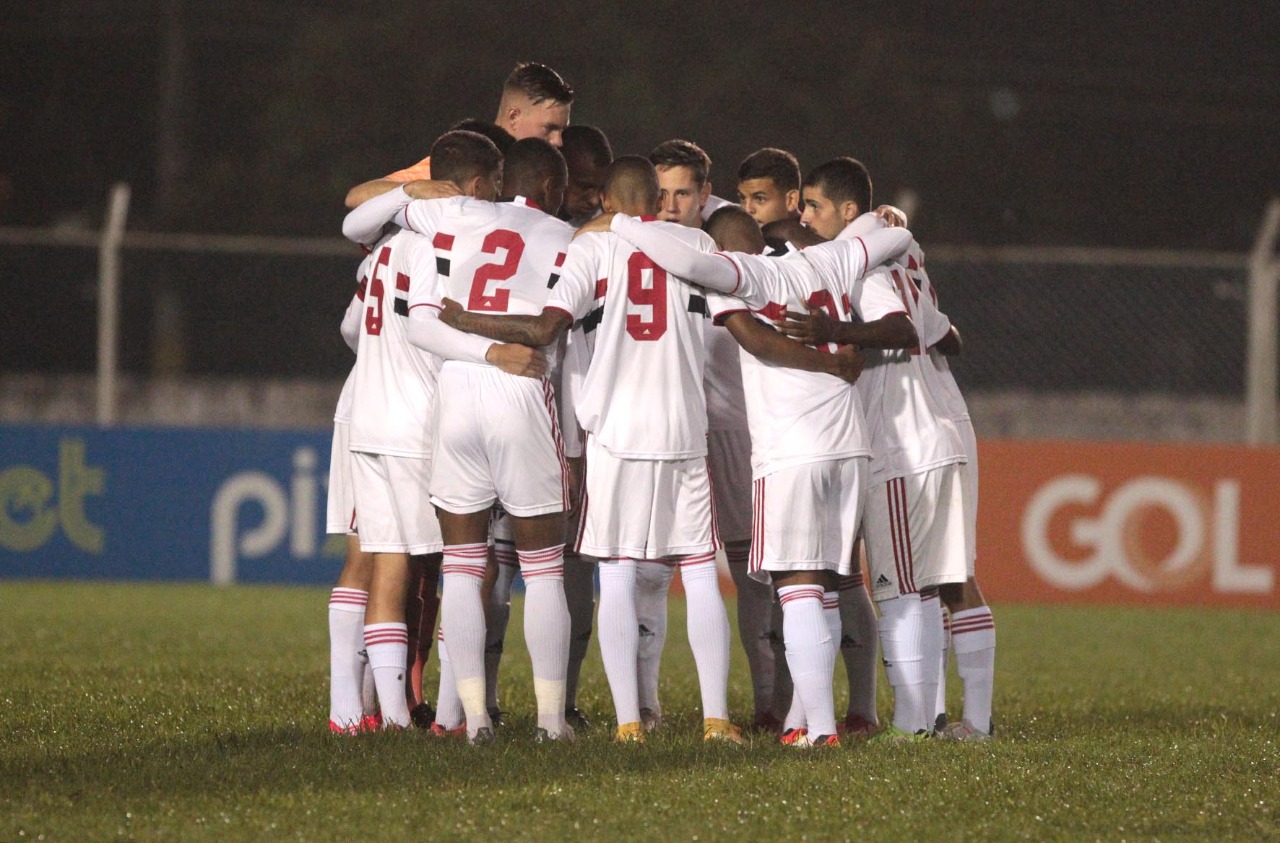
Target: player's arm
pixel 893 331
pixel 365 224
pixel 712 271
pixel 350 327
pixel 362 193
pixel 427 332
pixel 766 344
pixel 950 344
pixel 533 331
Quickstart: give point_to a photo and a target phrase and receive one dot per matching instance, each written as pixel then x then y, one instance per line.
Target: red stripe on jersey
pixel 560 259
pixel 756 559
pixel 900 533
pixel 402 282
pixel 442 241
pixel 549 401
pixel 361 287
pixel 602 286
pixel 426 304
pixel 723 316
pixel 711 493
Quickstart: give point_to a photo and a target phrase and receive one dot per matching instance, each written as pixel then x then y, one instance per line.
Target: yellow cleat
pixel 629 733
pixel 716 729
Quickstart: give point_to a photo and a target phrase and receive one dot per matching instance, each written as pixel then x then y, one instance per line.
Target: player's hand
pixel 847 363
pixel 431 189
pixel 893 217
pixel 600 223
pixel 451 312
pixel 516 359
pixel 810 328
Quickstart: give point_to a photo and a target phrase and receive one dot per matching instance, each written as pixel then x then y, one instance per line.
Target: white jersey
pixel 932 325
pixel 796 417
pixel 395 382
pixel 726 403
pixel 642 396
pixel 490 257
pixel 911 432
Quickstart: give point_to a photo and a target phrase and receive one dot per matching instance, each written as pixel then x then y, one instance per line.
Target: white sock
pixel 388 647
pixel 900 633
pixel 346 667
pixel 580 594
pixel 859 645
pixel 810 654
pixel 546 632
pixel 462 619
pixel 973 637
pixel 619 636
pixel 448 707
pixel 708 626
pixel 653 582
pixel 497 615
pixel 931 654
pixel 755 611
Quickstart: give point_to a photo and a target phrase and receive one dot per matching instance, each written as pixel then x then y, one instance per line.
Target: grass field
pixel 162 712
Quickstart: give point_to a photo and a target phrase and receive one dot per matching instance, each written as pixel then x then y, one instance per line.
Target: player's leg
pixel 580 595
pixel 462 616
pixel 859 647
pixel 450 719
pixel 618 632
pixel 500 576
pixel 347 604
pixel 931 652
pixel 810 653
pixel 653 584
pixel 973 639
pixel 420 617
pixel 539 543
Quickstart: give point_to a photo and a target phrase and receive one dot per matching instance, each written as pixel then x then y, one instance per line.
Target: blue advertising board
pixel 171 504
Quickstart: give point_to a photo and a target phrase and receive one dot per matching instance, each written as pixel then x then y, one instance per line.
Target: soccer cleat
pixel 441 732
pixel 717 729
pixel 825 740
pixel 650 718
pixel 371 722
pixel 893 735
pixel 495 716
pixel 795 737
pixel 940 723
pixel 632 732
pixel 334 728
pixel 482 737
pixel 422 715
pixel 962 731
pixel 575 718
pixel 541 735
pixel 857 726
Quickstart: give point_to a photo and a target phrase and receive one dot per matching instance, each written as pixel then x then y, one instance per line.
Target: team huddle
pixel 570 364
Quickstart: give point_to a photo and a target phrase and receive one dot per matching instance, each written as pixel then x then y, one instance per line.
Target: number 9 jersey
pixel 642 397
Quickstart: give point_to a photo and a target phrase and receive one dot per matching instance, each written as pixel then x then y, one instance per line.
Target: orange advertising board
pixel 1183 525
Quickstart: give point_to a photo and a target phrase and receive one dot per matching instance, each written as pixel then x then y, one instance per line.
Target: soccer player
pixel 809 444
pixel 913 527
pixel 587 154
pixel 647 498
pixel 498 437
pixel 769 185
pixel 973 636
pixel 535 104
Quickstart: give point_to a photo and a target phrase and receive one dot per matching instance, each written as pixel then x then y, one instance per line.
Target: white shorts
pixel 645 509
pixel 497 439
pixel 969 492
pixel 340 511
pixel 729 461
pixel 914 533
pixel 807 516
pixel 391 497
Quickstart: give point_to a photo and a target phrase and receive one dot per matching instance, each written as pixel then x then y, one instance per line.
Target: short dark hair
pixel 587 144
pixel 683 153
pixel 730 225
pixel 501 137
pixel 843 179
pixel 461 156
pixel 538 83
pixel 771 163
pixel 528 161
pixel 633 180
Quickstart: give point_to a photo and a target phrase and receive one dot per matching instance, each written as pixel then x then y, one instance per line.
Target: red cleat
pixel 441 732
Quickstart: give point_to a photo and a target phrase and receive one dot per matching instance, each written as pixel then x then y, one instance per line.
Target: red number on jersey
pixel 826 301
pixel 373 295
pixel 496 302
pixel 653 296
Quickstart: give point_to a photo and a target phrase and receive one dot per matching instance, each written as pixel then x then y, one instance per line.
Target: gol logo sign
pixel 1151 534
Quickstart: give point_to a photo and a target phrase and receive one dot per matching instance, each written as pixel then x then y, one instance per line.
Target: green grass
pixel 160 712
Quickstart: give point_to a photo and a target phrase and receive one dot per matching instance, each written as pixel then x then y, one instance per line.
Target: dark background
pixel 1066 124
pixel 1071 123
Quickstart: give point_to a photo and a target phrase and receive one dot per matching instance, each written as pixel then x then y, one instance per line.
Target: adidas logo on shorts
pixel 883 581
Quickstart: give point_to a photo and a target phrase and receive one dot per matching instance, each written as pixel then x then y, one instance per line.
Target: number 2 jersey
pixel 642 396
